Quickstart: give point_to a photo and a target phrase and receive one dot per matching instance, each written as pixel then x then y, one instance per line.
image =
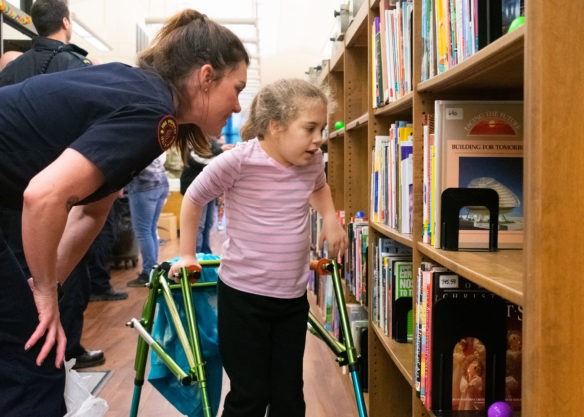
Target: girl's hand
pixel 335 237
pixel 184 261
pixel 49 323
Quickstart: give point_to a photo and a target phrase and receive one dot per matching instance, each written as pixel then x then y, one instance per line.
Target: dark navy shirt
pixel 46 55
pixel 117 116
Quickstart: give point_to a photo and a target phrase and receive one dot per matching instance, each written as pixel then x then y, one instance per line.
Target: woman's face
pixel 213 101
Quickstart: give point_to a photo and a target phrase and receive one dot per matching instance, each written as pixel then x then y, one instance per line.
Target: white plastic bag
pixel 78 399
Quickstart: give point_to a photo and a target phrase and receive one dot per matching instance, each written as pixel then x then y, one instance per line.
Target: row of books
pixel 391 54
pixel 391 292
pixel 454 30
pixel 355 265
pixel 474 144
pixel 315 226
pixel 326 301
pixel 467 343
pixel 392 178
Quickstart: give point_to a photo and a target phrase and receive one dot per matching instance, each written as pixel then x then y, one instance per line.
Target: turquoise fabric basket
pixel 187 399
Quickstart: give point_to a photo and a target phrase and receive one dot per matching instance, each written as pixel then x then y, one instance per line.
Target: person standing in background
pixel 193 165
pixel 51 51
pixel 147 193
pixel 8 56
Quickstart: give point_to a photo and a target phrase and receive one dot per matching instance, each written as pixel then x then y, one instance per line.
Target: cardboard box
pixel 167 229
pixel 173 204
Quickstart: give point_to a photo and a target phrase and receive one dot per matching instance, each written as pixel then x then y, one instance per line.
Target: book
pixel 468 344
pixel 489 14
pixel 513 358
pixel 401 300
pixel 479 144
pixel 389 251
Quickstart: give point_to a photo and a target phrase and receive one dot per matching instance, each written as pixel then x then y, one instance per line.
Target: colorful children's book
pixel 479 144
pixel 401 309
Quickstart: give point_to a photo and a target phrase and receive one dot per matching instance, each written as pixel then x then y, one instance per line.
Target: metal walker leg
pixel 346 352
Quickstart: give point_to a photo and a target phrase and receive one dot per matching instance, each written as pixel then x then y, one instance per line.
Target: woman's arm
pixel 83 225
pixel 48 200
pixel 332 231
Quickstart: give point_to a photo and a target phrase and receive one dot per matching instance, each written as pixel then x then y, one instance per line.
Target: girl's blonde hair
pixel 279 102
pixel 188 41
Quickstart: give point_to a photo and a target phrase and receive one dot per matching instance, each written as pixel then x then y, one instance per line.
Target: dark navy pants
pixel 26 390
pixel 261 341
pixel 98 257
pixel 76 289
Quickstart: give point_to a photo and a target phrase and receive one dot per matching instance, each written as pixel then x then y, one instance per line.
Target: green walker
pixel 191 343
pixel 345 352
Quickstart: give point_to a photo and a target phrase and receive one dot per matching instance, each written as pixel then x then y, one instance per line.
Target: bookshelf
pixel 540 64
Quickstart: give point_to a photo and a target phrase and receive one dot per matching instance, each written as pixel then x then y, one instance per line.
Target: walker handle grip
pixel 193 272
pixel 320 266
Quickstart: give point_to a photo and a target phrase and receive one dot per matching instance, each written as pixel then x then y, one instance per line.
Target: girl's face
pixel 213 101
pixel 303 137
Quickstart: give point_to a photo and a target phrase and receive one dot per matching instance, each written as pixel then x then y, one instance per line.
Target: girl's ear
pixel 206 76
pixel 274 128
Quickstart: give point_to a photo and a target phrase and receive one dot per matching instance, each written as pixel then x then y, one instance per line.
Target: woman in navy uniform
pixel 68 142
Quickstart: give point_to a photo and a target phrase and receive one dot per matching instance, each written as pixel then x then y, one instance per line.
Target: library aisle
pixel 327 392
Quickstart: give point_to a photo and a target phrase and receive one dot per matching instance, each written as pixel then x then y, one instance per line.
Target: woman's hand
pixel 47 305
pixel 334 235
pixel 184 261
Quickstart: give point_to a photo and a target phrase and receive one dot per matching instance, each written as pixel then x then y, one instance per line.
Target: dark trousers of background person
pixel 25 388
pixel 99 257
pixel 205 226
pixel 76 292
pixel 76 289
pixel 261 341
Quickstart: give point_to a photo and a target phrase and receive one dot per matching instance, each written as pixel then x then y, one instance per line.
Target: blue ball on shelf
pixel 500 409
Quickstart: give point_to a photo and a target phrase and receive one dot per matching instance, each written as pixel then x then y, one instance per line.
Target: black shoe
pixel 141 281
pixel 89 358
pixel 109 295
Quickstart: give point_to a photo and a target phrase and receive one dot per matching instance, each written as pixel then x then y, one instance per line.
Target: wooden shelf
pixel 403 105
pixel 337 134
pixel 356 34
pixel 483 413
pixel 500 272
pixel 359 122
pixel 540 64
pixel 336 61
pixel 498 66
pixel 402 354
pixel 403 238
pixel 324 72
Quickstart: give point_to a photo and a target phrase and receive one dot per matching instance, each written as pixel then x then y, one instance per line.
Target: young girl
pixel 269 183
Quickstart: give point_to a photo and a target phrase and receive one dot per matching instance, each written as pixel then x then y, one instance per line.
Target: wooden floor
pixel 327 391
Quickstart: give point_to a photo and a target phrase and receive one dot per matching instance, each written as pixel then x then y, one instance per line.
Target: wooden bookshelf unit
pixel 539 63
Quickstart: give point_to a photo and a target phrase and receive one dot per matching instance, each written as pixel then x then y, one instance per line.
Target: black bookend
pixel 453 199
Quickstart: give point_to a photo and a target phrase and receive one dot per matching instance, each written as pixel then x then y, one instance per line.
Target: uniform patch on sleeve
pixel 167 132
